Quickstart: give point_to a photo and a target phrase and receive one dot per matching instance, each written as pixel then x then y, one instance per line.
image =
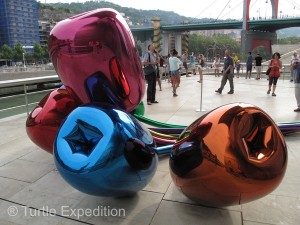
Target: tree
pixel 7 52
pixel 45 49
pixel 37 52
pixel 211 46
pixel 18 52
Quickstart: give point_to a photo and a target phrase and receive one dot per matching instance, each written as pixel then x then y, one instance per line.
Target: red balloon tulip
pixel 98 44
pixel 44 121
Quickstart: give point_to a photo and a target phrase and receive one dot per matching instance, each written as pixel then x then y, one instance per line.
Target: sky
pixel 217 9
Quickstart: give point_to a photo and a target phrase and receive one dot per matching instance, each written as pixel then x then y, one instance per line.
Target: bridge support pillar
pixel 164 43
pixel 178 43
pixel 252 39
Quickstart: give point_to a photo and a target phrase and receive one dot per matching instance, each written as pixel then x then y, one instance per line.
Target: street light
pixel 266 9
pixel 24 60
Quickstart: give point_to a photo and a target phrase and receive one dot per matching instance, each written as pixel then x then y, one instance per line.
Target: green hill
pixel 60 11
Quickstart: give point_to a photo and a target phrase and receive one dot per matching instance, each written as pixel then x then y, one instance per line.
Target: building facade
pixel 19 23
pixel 44 29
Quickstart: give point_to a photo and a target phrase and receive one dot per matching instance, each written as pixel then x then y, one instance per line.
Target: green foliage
pixel 137 16
pixel 6 52
pixel 211 46
pixel 18 52
pixel 289 40
pixel 45 52
pixel 37 52
pixel 260 50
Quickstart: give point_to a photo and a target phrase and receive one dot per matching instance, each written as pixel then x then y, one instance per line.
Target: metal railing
pixel 26 82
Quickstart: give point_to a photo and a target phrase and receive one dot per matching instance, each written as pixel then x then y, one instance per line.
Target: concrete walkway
pixel 31 187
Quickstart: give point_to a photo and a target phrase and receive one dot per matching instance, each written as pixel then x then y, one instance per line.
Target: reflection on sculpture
pixel 232 155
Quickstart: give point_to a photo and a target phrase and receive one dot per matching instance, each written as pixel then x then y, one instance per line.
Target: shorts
pixel 161 71
pixel 200 67
pixel 258 69
pixel 249 68
pixel 185 65
pixel 175 73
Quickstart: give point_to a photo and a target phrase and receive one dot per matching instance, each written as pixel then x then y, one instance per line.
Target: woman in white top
pixel 174 63
pixel 217 65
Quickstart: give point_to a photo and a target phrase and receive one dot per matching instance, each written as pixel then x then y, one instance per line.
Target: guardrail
pixel 26 82
pixel 209 70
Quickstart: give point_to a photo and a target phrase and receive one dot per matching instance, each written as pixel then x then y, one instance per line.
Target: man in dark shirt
pixel 227 73
pixel 249 65
pixel 257 65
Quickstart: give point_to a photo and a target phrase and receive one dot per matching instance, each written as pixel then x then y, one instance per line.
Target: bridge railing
pixel 17 102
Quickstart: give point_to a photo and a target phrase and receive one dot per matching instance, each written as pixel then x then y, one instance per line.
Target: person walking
pixel 227 74
pixel 174 63
pixel 238 68
pixel 249 63
pixel 192 62
pixel 201 67
pixel 294 60
pixel 296 79
pixel 160 70
pixel 217 65
pixel 257 66
pixel 184 59
pixel 275 65
pixel 235 60
pixel 151 59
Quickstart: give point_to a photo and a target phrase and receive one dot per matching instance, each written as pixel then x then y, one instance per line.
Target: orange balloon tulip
pixel 231 155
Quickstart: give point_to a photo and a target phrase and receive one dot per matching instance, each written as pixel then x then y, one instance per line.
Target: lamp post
pixel 24 60
pixel 266 9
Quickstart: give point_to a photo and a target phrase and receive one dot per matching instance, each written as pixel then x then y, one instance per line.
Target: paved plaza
pixel 33 193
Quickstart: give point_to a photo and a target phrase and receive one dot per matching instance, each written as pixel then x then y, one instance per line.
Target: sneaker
pixel 149 103
pixel 268 92
pixel 175 95
pixel 230 92
pixel 273 94
pixel 218 91
pixel 291 80
pixel 297 110
pixel 154 102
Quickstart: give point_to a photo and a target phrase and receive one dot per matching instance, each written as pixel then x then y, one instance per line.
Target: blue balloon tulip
pixel 101 150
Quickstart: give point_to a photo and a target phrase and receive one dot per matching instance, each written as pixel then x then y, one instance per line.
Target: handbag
pixel 148 69
pixel 269 69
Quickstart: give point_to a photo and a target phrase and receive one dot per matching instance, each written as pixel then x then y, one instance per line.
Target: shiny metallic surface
pixel 231 155
pixel 43 123
pixel 98 44
pixel 101 150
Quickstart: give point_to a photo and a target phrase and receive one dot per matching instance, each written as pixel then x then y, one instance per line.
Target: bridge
pixel 255 32
pixel 269 25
